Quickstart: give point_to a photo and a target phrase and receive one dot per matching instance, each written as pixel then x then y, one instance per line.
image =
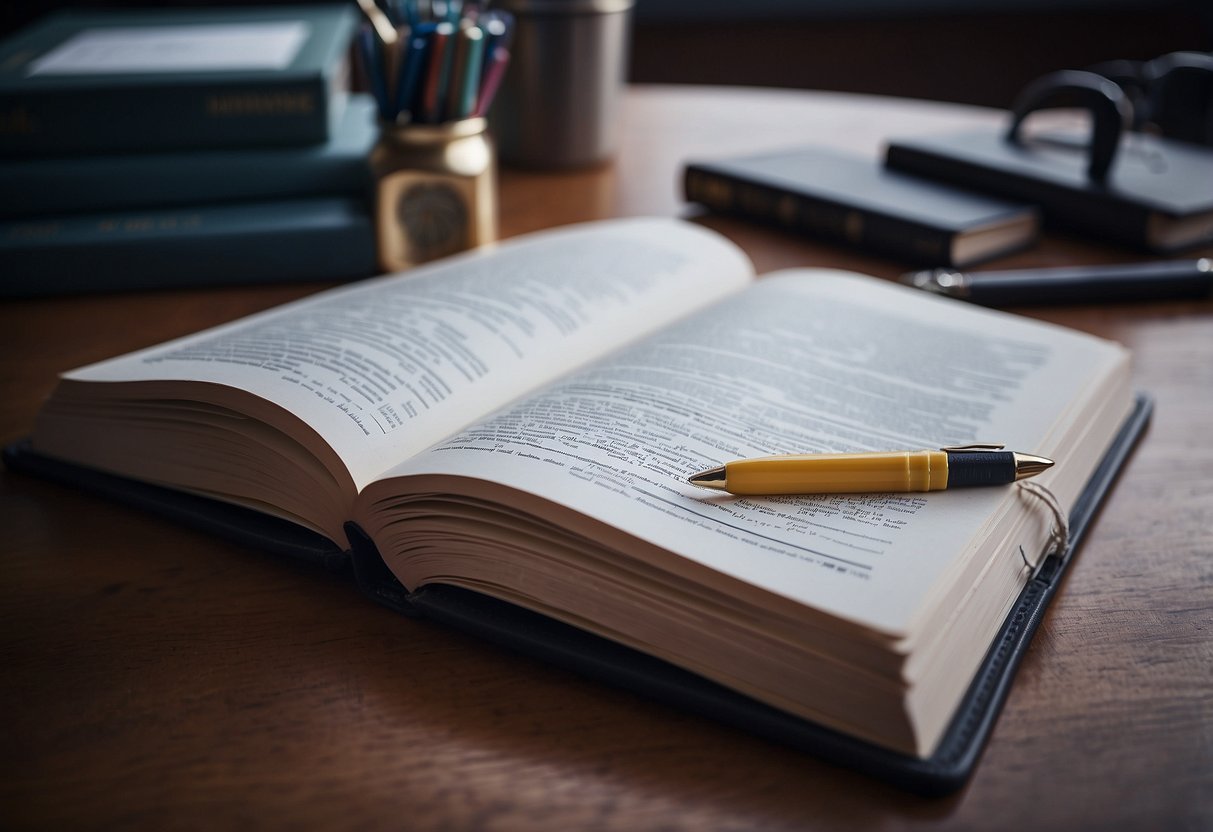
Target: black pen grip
pixel 1092 284
pixel 970 468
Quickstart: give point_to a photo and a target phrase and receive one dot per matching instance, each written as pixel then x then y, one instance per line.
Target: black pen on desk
pixel 1168 279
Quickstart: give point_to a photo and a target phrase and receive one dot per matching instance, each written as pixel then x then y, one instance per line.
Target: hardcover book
pixel 324 238
pixel 115 80
pixel 854 201
pixel 1158 194
pixel 501 441
pixel 133 181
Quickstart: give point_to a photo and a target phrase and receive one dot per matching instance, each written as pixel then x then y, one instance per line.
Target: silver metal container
pixel 559 103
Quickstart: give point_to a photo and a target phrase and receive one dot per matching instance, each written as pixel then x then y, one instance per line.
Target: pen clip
pixel 974 448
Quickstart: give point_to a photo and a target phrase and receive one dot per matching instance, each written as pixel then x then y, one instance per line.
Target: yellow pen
pixel 865 473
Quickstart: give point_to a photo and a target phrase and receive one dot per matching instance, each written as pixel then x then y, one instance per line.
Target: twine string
pixel 1059 532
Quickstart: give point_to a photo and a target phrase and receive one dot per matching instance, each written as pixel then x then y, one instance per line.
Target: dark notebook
pixel 854 201
pixel 1158 194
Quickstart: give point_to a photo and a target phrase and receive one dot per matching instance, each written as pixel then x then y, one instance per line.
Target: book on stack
pixel 1157 196
pixel 182 147
pixel 855 201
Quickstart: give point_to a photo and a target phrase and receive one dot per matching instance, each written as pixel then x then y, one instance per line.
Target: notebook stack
pixel 182 147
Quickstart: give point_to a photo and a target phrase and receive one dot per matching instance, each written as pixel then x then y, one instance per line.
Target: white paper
pixel 756 377
pixel 193 48
pixel 383 369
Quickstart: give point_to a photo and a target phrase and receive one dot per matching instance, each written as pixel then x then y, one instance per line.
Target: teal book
pixel 261 242
pixel 87 184
pixel 126 80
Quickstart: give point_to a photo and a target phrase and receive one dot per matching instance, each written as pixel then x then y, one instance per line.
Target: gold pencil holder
pixel 435 191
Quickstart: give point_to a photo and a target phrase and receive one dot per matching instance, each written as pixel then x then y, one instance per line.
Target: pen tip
pixel 711 478
pixel 1027 465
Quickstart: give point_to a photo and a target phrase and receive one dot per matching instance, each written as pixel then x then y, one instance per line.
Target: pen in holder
pixel 434 69
pixel 435 190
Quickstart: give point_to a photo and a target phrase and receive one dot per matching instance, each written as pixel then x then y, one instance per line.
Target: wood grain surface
pixel 154 677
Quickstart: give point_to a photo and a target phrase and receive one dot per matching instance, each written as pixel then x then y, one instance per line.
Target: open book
pixel 521 421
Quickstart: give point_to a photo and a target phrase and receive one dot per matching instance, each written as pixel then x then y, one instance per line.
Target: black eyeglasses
pixel 1171 96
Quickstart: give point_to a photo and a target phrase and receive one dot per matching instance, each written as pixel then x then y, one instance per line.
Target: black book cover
pixel 855 201
pixel 1157 195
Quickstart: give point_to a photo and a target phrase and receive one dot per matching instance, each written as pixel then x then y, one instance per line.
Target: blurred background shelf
pixel 965 51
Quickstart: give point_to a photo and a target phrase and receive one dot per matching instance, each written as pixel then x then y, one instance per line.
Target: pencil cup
pixel 559 104
pixel 435 191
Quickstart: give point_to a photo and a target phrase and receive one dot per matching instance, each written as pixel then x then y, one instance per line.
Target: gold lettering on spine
pixel 18 122
pixel 230 105
pixel 712 192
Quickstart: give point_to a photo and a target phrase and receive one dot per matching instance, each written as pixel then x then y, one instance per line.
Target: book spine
pixel 283 112
pixel 372 575
pixel 272 242
pixel 818 218
pixel 1093 211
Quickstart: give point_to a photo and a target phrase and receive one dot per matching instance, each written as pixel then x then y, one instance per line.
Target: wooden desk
pixel 153 676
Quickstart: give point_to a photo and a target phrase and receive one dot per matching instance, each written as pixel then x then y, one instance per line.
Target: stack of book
pixel 143 149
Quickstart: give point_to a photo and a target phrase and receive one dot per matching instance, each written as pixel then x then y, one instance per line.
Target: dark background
pixel 969 51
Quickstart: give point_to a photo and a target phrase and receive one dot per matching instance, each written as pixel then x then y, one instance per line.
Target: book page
pixel 800 363
pixel 386 368
pixel 214 47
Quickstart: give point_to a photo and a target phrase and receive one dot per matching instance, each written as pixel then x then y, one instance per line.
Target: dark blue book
pixel 86 184
pixel 262 242
pixel 854 201
pixel 121 80
pixel 1157 196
